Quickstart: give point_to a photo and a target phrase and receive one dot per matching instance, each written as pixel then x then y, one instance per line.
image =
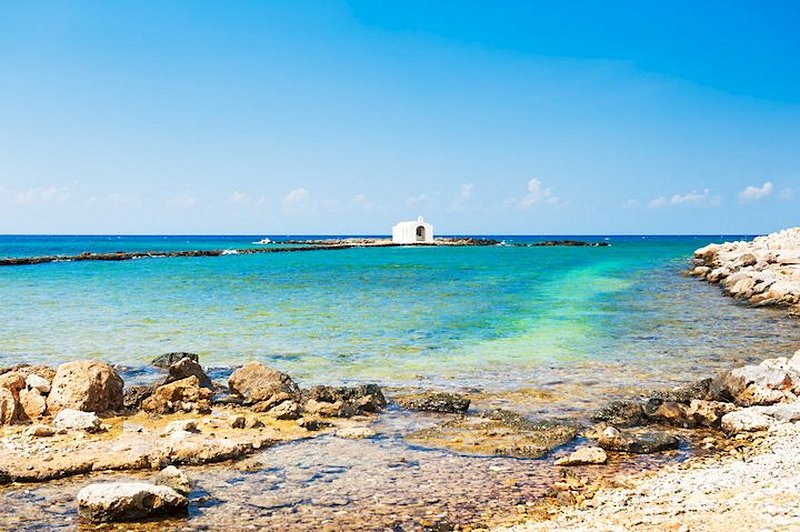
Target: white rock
pixel 174 478
pixel 355 433
pixel 39 431
pixel 181 425
pixel 35 382
pixel 121 501
pixel 583 456
pixel 745 420
pixel 69 419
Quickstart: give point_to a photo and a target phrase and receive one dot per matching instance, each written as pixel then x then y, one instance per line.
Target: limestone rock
pixel 621 414
pixel 38 383
pixel 344 401
pixel 134 396
pixel 184 395
pixel 639 442
pixel 8 407
pixel 757 385
pixel 256 382
pixel 86 385
pixel 355 433
pixel 39 431
pixel 324 409
pixel 185 425
pixel 186 367
pixel 174 478
pixel 448 403
pixel 584 456
pixel 745 420
pixel 34 405
pixel 132 501
pixel 69 419
pixel 13 381
pixel 285 410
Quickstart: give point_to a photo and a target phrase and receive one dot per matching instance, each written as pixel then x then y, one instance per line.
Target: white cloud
pixel 116 199
pixel 416 200
pixel 692 198
pixel 183 202
pixel 752 193
pixel 293 197
pixel 463 196
pixel 243 198
pixel 51 194
pixel 537 194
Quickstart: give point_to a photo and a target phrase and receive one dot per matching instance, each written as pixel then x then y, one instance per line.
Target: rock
pixel 312 425
pixel 496 433
pixel 69 419
pixel 180 396
pixel 256 382
pixel 39 431
pixel 8 407
pixel 447 403
pixel 685 394
pixel 756 385
pixel 86 385
pixel 285 410
pixel 133 501
pixel 323 409
pixel 127 426
pixel 38 383
pixel 365 398
pixel 184 425
pixel 745 420
pixel 238 422
pixel 621 414
pixel 12 381
pixel 186 367
pixel 46 372
pixel 639 442
pixel 34 405
pixel 584 456
pixel 708 413
pixel 168 359
pixel 355 433
pixel 174 478
pixel 134 396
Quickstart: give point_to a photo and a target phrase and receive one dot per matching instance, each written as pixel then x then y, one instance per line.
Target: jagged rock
pixel 34 405
pixel 12 381
pixel 8 407
pixel 285 410
pixel 38 383
pixel 757 385
pixel 180 396
pixel 746 420
pixel 344 401
pixel 46 372
pixel 69 419
pixel 324 409
pixel 86 385
pixel 584 456
pixel 708 413
pixel 447 403
pixel 670 413
pixel 133 501
pixel 174 478
pixel 621 414
pixel 638 442
pixel 166 360
pixel 685 394
pixel 238 422
pixel 134 396
pixel 256 382
pixel 186 367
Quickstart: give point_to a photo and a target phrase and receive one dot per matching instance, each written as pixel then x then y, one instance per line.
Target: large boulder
pixel 256 382
pixel 129 501
pixel 86 385
pixel 764 384
pixel 184 395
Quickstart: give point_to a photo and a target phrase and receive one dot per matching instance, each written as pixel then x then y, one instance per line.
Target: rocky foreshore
pixel 764 271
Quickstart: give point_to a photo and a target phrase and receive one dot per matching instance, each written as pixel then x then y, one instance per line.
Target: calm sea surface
pixel 493 318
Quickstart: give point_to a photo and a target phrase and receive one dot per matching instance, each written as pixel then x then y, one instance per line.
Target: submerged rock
pixel 132 501
pixel 638 442
pixel 499 432
pixel 584 456
pixel 256 382
pixel 87 385
pixel 700 390
pixel 446 403
pixel 166 360
pixel 621 414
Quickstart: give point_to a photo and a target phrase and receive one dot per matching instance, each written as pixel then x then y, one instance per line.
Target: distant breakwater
pixel 278 247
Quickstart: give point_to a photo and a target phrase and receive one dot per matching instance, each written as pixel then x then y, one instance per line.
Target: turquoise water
pixel 493 318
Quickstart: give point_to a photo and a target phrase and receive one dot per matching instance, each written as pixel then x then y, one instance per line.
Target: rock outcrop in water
pixel 764 271
pixel 129 501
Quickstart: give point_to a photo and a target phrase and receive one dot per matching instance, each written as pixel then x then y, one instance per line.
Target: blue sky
pixel 346 117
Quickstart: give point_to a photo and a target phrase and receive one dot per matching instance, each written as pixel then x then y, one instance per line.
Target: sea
pixel 546 331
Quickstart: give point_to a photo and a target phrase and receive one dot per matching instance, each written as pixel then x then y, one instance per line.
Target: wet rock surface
pixel 166 360
pixel 130 501
pixel 447 403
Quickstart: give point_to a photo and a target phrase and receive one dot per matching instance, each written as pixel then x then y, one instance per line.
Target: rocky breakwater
pixel 764 271
pixel 80 418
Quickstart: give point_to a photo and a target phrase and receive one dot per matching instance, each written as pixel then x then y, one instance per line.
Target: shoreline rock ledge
pixel 764 271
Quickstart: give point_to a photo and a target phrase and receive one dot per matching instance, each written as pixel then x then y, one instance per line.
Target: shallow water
pixel 544 331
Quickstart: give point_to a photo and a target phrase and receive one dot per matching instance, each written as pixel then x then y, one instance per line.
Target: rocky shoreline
pixel 752 484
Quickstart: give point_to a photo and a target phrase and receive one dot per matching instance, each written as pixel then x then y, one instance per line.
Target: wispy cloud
pixel 752 193
pixel 416 200
pixel 537 194
pixel 463 197
pixel 243 198
pixel 116 199
pixel 690 198
pixel 183 202
pixel 293 197
pixel 364 201
pixel 56 195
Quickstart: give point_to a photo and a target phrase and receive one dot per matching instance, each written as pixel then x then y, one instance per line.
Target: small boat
pixel 264 240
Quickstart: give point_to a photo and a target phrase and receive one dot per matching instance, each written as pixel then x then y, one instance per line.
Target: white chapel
pixel 419 232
